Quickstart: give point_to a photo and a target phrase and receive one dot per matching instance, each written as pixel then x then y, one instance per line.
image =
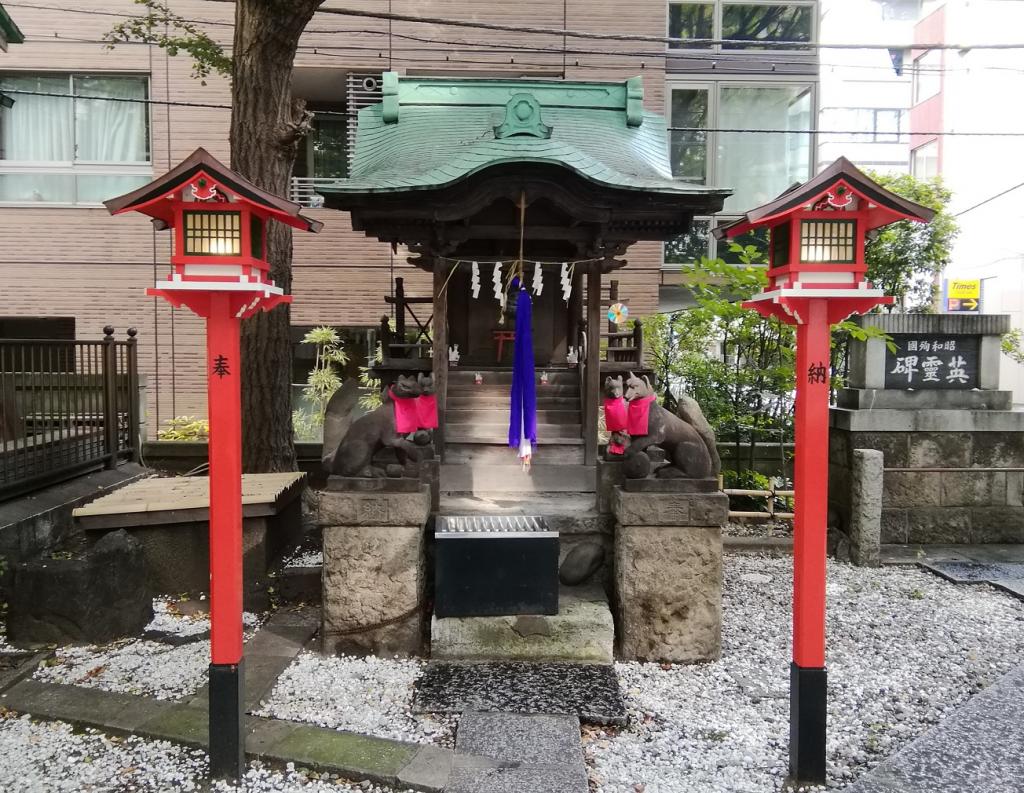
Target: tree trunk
pixel 266 127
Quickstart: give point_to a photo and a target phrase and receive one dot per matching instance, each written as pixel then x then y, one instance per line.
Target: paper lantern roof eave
pixel 150 199
pixel 887 206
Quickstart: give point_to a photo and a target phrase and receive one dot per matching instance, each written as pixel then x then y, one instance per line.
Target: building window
pixel 689 143
pixel 927 75
pixel 690 247
pixel 924 161
pixel 741 25
pixel 73 139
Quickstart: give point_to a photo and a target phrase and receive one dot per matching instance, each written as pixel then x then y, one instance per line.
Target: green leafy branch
pixel 173 34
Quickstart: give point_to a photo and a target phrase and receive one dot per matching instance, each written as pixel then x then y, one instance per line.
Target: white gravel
pixel 45 757
pixel 367 695
pixel 904 649
pixel 137 666
pixel 305 559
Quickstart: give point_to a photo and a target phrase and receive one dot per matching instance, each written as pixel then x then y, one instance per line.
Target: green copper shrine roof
pixel 429 133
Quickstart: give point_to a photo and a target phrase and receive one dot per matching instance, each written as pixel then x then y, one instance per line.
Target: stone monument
pixel 952 449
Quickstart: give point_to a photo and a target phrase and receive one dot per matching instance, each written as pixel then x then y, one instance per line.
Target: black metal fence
pixel 66 407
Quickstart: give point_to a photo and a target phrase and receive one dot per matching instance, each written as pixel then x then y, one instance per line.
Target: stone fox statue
pixel 687 448
pixel 373 432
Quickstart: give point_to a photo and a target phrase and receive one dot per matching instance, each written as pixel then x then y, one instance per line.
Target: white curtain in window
pixel 110 131
pixel 758 166
pixel 37 128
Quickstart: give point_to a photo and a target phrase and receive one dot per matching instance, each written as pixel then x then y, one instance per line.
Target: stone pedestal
pixel 668 574
pixel 374 568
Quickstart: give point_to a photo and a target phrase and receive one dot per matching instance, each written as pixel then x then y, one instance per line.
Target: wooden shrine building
pixel 468 174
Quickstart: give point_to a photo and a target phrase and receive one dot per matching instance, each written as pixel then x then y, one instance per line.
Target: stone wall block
pixel 998 450
pixel 968 488
pixel 670 509
pixel 894 526
pixel 939 450
pixel 1014 488
pixel 374 509
pixel 912 489
pixel 865 528
pixel 839 447
pixel 669 592
pixel 997 524
pixel 894 445
pixel 371 575
pixel 930 525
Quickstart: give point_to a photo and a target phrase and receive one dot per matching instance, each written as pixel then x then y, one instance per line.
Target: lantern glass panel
pixel 780 244
pixel 828 241
pixel 256 237
pixel 213 233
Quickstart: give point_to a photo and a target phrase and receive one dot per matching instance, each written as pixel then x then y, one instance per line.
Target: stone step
pixel 494 415
pixel 504 376
pixel 511 478
pixel 555 390
pixel 566 513
pixel 564 451
pixel 473 401
pixel 582 632
pixel 547 434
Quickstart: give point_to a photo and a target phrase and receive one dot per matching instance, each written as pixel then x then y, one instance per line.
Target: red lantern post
pixel 816 278
pixel 219 271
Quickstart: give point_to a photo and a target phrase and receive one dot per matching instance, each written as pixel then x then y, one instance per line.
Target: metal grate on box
pixel 480 526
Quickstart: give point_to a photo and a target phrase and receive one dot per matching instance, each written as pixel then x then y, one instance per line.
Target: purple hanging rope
pixel 523 420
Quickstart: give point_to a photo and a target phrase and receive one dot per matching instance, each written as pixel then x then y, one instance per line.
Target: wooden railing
pixel 65 407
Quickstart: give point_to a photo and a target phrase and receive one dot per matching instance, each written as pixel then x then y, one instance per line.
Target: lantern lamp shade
pixel 218 220
pixel 817 230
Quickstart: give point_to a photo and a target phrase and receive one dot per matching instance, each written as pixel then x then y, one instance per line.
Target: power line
pixel 810 131
pixel 738 44
pixel 722 58
pixel 990 198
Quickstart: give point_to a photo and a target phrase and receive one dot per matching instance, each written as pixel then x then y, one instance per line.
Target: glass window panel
pixel 689 148
pixel 691 21
pixel 689 247
pixel 108 130
pixel 827 240
pixel 36 128
pixel 756 23
pixel 42 187
pixel 216 233
pixel 927 75
pixel 330 147
pixel 924 161
pixel 757 166
pixel 97 188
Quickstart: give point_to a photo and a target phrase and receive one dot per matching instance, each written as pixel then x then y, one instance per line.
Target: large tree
pixel 267 124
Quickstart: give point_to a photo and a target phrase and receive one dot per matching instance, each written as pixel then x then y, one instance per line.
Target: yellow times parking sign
pixel 965 288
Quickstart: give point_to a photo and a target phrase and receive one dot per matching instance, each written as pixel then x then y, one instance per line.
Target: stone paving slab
pixel 976 748
pixel 351 755
pixel 520 738
pixel 976 572
pixel 588 691
pixel 521 779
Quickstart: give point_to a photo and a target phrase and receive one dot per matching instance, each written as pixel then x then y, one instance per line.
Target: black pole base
pixel 808 690
pixel 227 717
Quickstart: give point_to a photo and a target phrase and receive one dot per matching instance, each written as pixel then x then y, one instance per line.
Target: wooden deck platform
pixel 184 499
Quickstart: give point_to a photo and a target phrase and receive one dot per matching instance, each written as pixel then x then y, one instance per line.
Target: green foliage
pixel 737 364
pixel 1012 345
pixel 185 428
pixel 905 257
pixel 372 398
pixel 321 383
pixel 745 480
pixel 173 34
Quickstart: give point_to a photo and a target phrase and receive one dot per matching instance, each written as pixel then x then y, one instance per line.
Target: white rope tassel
pixel 538 278
pixel 566 282
pixel 474 282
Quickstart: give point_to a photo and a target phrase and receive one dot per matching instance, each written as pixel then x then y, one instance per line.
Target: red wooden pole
pixel 223 369
pixel 808 682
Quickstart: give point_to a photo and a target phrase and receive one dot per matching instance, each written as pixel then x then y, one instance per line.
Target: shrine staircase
pixel 478 460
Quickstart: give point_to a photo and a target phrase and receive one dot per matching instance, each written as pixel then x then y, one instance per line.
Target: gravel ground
pixel 368 695
pixel 140 666
pixel 51 756
pixel 904 649
pixel 313 558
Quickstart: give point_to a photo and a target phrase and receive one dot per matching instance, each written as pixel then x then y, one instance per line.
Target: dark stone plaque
pixel 928 360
